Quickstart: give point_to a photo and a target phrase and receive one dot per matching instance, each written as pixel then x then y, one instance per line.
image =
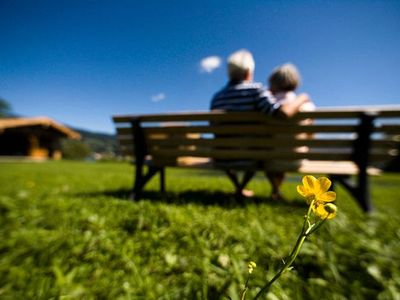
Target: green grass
pixel 67 230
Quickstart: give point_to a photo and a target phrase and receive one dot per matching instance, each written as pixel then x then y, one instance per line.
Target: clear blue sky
pixel 80 62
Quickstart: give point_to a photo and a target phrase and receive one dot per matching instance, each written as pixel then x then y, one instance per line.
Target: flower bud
pixel 330 208
pixel 251 266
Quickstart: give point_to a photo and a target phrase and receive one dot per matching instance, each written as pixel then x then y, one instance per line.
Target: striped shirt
pixel 245 96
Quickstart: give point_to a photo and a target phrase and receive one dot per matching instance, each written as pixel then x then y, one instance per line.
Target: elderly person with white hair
pixel 242 94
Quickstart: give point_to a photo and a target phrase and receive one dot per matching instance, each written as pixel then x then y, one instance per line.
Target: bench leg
pixel 364 193
pixel 137 182
pixel 162 180
pixel 359 190
pixel 141 180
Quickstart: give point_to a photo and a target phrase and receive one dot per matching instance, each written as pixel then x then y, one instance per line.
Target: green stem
pixel 305 231
pixel 313 229
pixel 295 252
pixel 243 294
pixel 245 288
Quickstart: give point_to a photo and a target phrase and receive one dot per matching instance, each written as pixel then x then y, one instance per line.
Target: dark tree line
pixel 5 108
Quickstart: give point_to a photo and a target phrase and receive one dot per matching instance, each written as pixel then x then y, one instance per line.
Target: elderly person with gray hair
pixel 242 94
pixel 283 82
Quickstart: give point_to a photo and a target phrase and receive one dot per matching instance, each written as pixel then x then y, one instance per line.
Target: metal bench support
pixel 140 151
pixel 360 188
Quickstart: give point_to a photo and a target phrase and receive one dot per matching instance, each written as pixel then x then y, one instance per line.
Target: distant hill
pixel 92 145
pixel 99 142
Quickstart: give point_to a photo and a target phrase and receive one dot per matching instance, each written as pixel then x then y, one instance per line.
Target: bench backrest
pixel 365 135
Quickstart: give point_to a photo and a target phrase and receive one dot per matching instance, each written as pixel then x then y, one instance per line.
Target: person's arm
pixel 266 103
pixel 289 109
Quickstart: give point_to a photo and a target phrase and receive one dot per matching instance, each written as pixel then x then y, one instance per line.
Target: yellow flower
pixel 251 266
pixel 316 189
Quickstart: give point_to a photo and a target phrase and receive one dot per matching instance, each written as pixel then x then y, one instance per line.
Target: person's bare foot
pixel 247 193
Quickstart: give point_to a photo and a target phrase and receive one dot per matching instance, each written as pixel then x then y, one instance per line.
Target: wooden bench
pixel 339 143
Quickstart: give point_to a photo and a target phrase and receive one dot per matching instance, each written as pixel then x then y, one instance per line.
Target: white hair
pixel 239 64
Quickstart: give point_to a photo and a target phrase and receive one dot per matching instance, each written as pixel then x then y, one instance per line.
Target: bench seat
pixel 305 166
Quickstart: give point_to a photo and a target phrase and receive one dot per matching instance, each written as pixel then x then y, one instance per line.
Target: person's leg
pixel 240 190
pixel 247 176
pixel 276 180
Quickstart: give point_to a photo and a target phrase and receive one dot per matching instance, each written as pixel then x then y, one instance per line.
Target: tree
pixel 72 149
pixel 5 108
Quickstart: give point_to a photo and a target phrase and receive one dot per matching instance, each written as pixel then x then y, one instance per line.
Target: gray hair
pixel 239 64
pixel 284 78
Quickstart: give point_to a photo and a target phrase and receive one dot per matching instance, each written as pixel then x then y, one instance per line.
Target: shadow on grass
pixel 198 197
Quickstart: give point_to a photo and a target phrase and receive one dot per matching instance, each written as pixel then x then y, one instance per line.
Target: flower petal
pixel 324 184
pixel 310 183
pixel 327 197
pixel 302 191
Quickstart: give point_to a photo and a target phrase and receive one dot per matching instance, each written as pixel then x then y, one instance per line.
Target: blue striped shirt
pixel 245 96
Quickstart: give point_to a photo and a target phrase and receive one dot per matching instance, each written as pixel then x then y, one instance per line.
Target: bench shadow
pixel 205 198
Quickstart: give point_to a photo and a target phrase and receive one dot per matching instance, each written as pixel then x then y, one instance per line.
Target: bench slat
pixel 388 129
pixel 254 142
pixel 248 142
pixel 124 131
pixel 304 166
pixel 289 154
pixel 260 143
pixel 328 113
pixel 248 129
pixel 248 154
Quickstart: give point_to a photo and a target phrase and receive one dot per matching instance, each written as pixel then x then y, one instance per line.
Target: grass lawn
pixel 68 231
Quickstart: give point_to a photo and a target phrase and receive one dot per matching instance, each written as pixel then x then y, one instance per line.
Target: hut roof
pixel 38 121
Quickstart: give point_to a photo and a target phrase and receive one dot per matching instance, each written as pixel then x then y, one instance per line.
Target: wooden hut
pixel 36 138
